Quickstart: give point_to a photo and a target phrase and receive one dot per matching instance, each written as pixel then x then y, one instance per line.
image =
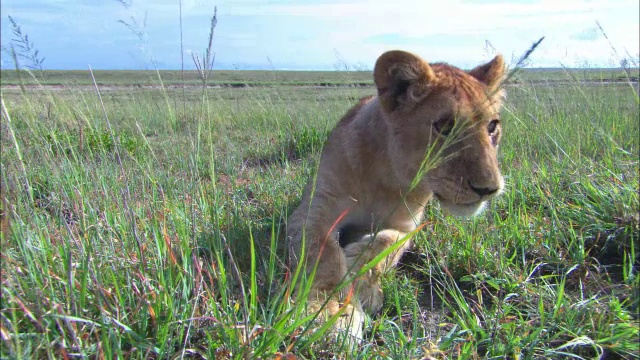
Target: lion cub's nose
pixel 483 191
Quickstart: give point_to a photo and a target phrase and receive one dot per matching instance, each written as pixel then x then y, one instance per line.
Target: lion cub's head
pixel 445 127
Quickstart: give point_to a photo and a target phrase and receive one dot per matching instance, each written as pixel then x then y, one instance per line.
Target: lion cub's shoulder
pixel 351 115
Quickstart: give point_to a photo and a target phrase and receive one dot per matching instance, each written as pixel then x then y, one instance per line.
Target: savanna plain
pixel 143 217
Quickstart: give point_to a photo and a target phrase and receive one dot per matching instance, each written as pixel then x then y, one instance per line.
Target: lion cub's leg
pixel 330 270
pixel 362 252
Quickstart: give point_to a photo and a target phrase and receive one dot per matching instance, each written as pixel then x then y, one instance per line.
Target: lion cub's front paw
pixel 351 322
pixel 370 295
pixel 350 317
pixel 368 287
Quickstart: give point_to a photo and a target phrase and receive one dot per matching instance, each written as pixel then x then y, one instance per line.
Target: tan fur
pixel 371 159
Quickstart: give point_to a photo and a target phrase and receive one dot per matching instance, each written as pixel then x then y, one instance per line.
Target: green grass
pixel 233 78
pixel 154 228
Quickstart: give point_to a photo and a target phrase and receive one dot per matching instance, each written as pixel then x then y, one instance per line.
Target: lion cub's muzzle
pixel 467 198
pixel 490 191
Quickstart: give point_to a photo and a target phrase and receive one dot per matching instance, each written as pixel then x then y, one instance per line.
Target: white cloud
pixel 413 18
pixel 511 27
pixel 311 32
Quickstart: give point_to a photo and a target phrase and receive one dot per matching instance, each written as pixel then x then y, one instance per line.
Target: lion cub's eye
pixel 493 126
pixel 443 126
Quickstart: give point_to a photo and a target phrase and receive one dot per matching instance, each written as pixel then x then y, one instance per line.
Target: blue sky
pixel 323 34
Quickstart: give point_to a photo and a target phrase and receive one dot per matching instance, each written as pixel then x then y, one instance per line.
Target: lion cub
pixel 432 132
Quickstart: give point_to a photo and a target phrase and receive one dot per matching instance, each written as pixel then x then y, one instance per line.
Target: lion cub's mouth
pixel 459 208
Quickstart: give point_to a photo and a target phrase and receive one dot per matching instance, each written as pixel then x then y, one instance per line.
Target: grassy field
pixel 231 78
pixel 189 78
pixel 147 222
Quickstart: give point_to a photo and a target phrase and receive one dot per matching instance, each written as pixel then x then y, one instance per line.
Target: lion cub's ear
pixel 491 73
pixel 402 79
